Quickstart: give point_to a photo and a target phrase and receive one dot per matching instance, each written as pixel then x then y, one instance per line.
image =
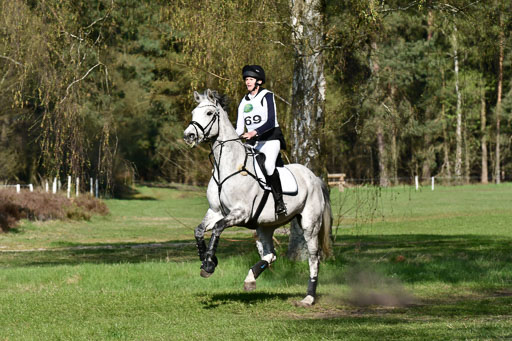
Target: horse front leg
pixel 210 262
pixel 207 224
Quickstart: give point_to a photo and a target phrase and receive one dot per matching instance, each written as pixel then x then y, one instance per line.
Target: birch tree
pixel 308 98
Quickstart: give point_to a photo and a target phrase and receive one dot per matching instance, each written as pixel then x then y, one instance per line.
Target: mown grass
pixel 409 265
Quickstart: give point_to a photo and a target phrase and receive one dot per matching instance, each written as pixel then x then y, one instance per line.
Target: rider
pixel 257 113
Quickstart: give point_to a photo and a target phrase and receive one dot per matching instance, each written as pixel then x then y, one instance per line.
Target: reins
pixel 215 163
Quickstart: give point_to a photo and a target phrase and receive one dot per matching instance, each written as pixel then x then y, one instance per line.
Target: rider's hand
pixel 250 134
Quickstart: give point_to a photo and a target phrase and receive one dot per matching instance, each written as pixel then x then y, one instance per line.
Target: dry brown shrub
pixel 91 204
pixel 45 206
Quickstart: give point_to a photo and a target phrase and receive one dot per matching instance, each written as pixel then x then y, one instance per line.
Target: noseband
pixel 206 130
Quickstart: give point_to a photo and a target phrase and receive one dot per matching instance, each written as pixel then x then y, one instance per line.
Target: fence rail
pixel 57 185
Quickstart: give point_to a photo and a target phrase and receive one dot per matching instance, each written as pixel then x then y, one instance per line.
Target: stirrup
pixel 281 208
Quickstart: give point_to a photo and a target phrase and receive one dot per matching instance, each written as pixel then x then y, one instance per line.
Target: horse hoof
pixel 249 286
pixel 205 274
pixel 307 302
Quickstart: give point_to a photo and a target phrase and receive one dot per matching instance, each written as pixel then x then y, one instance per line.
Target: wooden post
pixel 54 187
pixel 18 188
pixel 337 179
pixel 92 191
pixel 432 183
pixel 31 187
pixel 46 186
pixel 416 182
pixel 77 189
pixel 96 188
pixel 69 186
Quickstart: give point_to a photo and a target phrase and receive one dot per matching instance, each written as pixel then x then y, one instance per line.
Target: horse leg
pixel 206 224
pixel 311 237
pixel 210 260
pixel 265 243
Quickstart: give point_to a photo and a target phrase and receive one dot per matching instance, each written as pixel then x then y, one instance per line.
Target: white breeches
pixel 271 150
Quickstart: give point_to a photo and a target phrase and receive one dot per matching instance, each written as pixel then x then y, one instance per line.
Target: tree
pixel 308 98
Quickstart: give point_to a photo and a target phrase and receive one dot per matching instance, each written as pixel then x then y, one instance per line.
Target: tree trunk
pixel 497 170
pixel 446 145
pixel 383 171
pixel 458 111
pixel 467 157
pixel 394 156
pixel 379 122
pixel 308 98
pixel 484 176
pixel 427 138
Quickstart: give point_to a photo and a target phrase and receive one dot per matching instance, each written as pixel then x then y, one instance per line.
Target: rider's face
pixel 250 83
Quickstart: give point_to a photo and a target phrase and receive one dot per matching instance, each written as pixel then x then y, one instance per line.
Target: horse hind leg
pixel 265 245
pixel 311 238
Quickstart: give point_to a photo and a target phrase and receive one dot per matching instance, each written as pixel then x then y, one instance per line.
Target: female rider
pixel 257 113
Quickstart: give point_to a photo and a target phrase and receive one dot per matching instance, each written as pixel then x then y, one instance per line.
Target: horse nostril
pixel 191 136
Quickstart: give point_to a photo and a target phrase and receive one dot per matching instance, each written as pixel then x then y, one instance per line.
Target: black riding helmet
pixel 254 71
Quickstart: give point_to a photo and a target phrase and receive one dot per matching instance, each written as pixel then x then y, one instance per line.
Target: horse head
pixel 205 118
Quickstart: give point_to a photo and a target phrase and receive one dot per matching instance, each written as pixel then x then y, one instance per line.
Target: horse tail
pixel 325 234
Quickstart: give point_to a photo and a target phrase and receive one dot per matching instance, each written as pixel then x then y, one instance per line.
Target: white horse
pixel 234 196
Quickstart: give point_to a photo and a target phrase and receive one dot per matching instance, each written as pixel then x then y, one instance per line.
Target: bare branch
pixel 405 8
pixel 201 69
pixel 282 99
pixel 279 43
pixel 73 36
pixel 103 18
pixel 12 60
pixel 79 80
pixel 441 6
pixel 263 22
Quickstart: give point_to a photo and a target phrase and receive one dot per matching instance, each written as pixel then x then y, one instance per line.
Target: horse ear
pixel 197 96
pixel 210 95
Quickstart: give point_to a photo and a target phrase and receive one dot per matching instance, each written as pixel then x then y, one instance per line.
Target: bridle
pixel 207 129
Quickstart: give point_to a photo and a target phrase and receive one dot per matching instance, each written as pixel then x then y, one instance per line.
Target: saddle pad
pixel 288 182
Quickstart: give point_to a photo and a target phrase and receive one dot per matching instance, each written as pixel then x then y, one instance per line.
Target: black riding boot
pixel 277 192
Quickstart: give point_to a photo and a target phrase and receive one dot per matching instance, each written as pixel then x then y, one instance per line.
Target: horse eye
pixel 209 113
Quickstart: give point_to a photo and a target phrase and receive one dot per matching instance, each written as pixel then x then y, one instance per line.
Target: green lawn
pixel 408 264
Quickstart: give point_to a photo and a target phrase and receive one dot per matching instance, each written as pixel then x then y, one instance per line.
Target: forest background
pixel 103 88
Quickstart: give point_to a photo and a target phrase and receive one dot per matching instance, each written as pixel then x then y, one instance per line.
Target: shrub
pixel 45 206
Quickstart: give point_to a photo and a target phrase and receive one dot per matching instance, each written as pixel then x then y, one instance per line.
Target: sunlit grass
pixel 408 265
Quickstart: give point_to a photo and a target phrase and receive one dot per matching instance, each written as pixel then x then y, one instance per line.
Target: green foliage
pixel 103 88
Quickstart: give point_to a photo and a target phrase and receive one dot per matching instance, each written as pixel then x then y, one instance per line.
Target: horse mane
pixel 222 99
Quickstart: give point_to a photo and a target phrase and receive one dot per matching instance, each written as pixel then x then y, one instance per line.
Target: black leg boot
pixel 277 192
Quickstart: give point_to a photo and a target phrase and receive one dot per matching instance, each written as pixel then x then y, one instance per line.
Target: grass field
pixel 416 265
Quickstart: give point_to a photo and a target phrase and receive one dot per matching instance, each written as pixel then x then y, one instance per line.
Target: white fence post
pixel 31 187
pixel 54 187
pixel 69 186
pixel 96 187
pixel 92 192
pixel 432 183
pixel 416 181
pixel 46 186
pixel 77 186
pixel 18 188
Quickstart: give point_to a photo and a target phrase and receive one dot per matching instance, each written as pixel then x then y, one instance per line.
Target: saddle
pixel 288 181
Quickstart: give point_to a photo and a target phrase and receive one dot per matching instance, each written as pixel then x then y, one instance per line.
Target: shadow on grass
pixel 211 301
pixel 124 192
pixel 113 253
pixel 431 258
pixel 408 258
